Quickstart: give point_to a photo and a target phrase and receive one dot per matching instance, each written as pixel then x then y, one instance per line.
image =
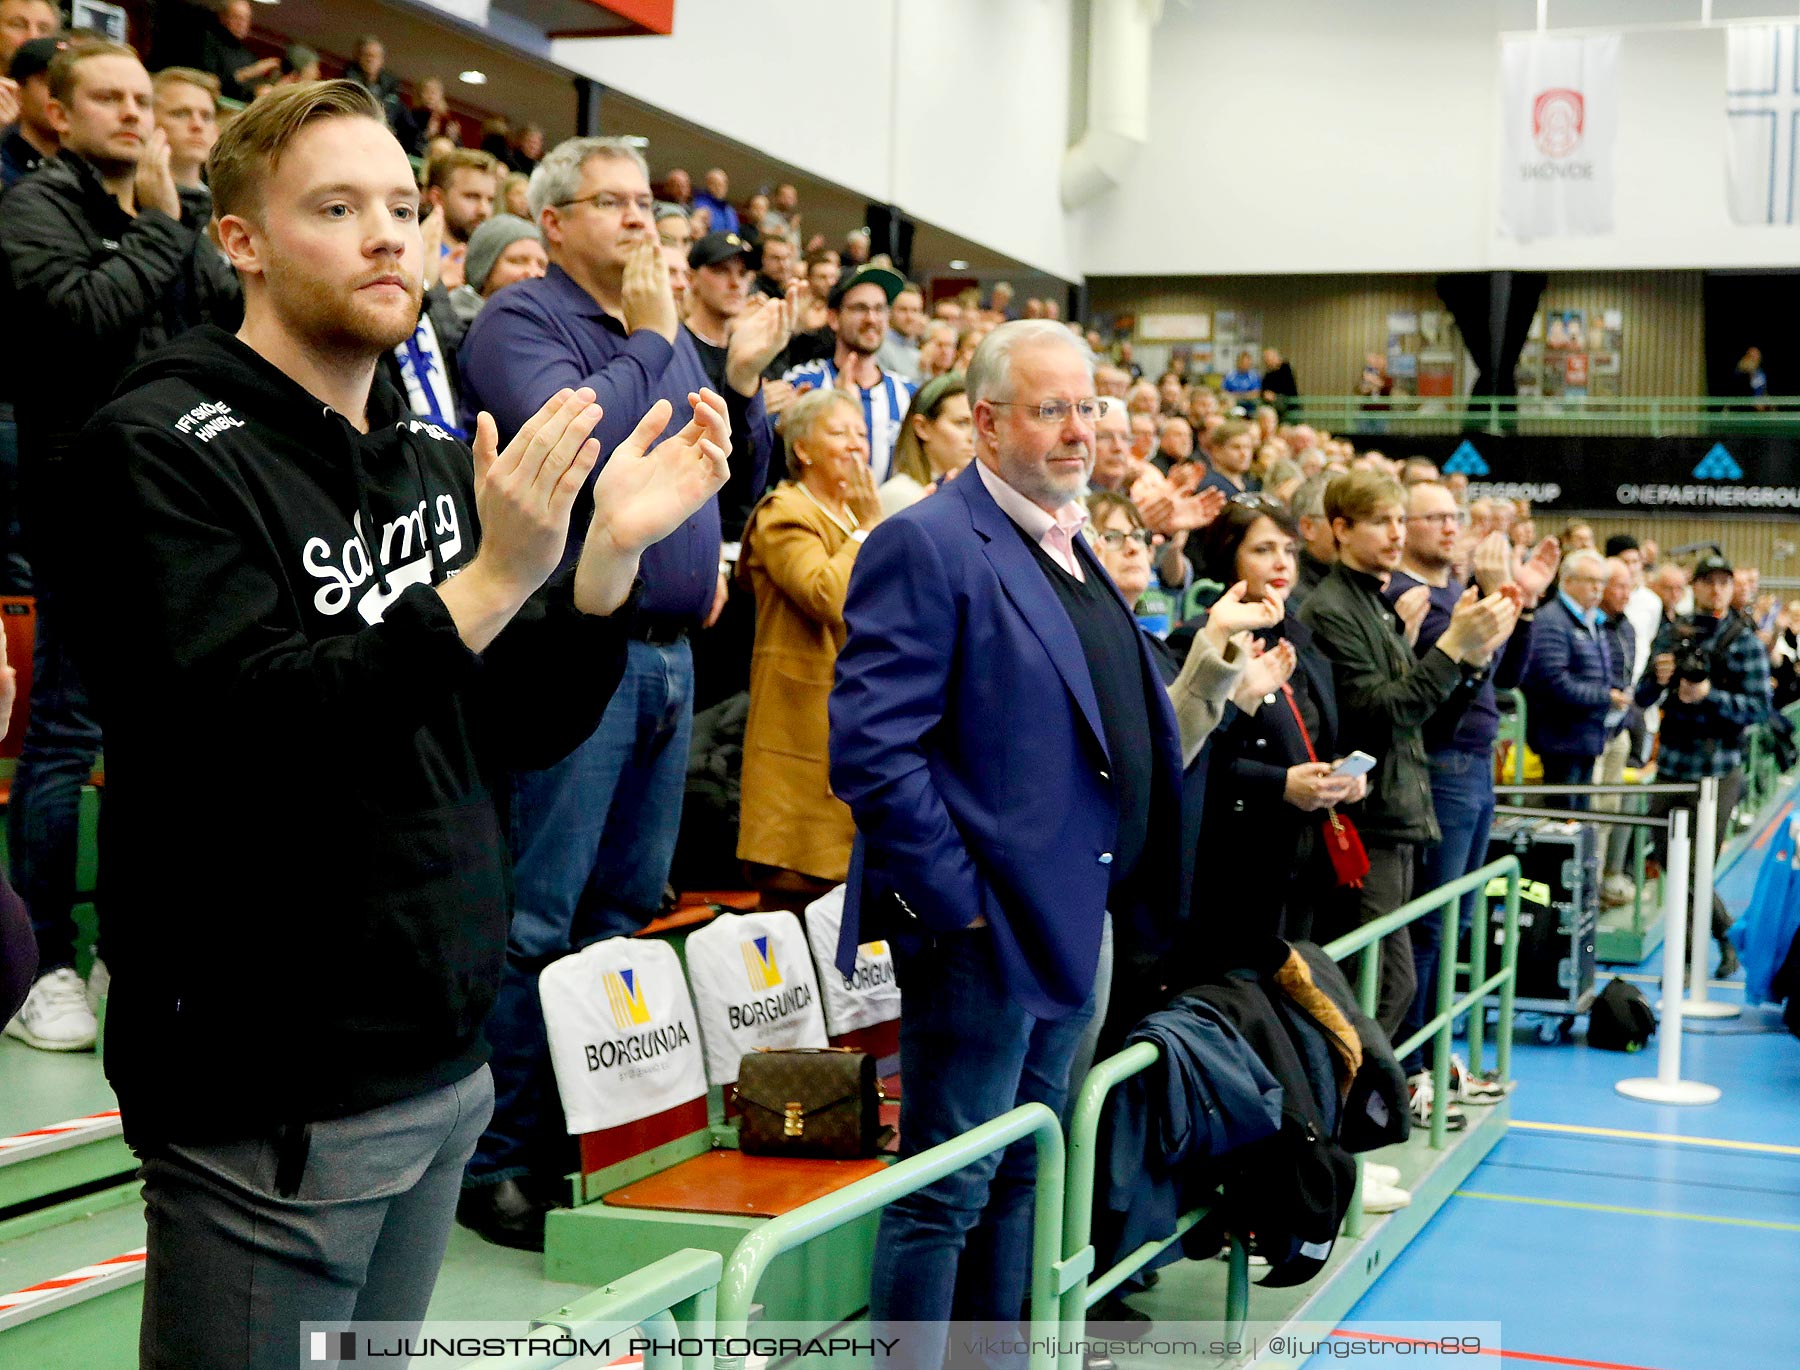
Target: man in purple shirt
pixel 1459 739
pixel 594 835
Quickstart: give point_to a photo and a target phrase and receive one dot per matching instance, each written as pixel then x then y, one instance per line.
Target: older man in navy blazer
pixel 1001 733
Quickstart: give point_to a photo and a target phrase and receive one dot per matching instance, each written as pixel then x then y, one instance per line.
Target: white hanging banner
pixel 1559 124
pixel 871 994
pixel 623 1040
pixel 1762 119
pixel 753 987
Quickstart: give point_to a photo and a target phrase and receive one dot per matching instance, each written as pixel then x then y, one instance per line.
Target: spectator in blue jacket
pixel 715 199
pixel 1245 381
pixel 1569 686
pixel 594 835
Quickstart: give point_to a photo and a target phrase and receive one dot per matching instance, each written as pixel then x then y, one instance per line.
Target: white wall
pixel 1349 135
pixel 955 110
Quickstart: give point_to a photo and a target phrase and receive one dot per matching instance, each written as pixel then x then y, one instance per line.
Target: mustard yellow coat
pixel 797 562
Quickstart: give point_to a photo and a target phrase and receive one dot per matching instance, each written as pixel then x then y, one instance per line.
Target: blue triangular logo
pixel 1466 461
pixel 1718 464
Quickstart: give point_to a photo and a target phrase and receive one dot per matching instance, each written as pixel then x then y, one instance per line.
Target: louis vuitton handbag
pixel 819 1102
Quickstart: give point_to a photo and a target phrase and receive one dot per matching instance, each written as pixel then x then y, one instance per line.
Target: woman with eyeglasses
pixel 1262 868
pixel 800 545
pixel 937 439
pixel 1116 531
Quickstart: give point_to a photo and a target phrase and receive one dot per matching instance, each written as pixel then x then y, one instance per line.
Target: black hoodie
pixel 307 883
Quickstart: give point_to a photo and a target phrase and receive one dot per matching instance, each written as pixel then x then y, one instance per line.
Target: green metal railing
pixel 692 1290
pixel 1107 1075
pixel 1763 775
pixel 1051 1274
pixel 675 1296
pixel 1642 416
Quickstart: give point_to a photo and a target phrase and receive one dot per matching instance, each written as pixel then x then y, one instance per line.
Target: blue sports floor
pixel 1618 1235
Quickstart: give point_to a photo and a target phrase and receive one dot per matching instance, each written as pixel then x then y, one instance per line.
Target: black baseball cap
pixel 891 282
pixel 716 248
pixel 34 58
pixel 1712 564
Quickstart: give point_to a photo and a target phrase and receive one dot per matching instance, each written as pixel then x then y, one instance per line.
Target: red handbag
pixel 1343 844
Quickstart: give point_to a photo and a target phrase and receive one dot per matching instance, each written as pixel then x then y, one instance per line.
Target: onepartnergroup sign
pixel 1748 475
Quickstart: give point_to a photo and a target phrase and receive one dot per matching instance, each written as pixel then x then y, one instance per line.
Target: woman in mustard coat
pixel 800 544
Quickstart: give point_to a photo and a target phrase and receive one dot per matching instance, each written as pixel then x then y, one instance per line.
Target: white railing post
pixel 1667 1086
pixel 1706 823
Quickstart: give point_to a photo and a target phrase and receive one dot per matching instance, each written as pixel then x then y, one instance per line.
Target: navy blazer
pixel 1568 691
pixel 967 741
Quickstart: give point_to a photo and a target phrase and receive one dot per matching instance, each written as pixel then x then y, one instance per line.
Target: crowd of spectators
pixel 1332 598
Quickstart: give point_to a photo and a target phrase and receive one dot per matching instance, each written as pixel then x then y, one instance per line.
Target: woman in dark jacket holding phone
pixel 1263 869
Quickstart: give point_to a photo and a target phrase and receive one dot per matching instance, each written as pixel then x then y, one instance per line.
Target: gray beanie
pixel 487 242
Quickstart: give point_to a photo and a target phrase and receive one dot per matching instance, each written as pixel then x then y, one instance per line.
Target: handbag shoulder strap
pixel 1287 691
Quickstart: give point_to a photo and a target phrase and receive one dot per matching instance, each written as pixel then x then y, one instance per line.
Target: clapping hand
pixel 1230 614
pixel 1267 672
pixel 646 298
pixel 523 497
pixel 1534 574
pixel 154 183
pixel 1412 606
pixel 1493 562
pixel 646 492
pixel 9 102
pixel 759 336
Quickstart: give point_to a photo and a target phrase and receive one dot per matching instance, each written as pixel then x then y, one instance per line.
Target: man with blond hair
pixel 1386 695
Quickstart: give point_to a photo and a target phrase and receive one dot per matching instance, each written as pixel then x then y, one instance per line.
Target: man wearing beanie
pixel 504 249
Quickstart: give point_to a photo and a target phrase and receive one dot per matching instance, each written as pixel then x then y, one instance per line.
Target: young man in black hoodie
pixel 319 633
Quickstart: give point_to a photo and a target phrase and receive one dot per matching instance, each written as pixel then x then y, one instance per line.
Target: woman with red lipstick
pixel 1262 869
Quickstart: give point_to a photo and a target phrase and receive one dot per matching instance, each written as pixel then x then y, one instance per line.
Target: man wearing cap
pixel 859 306
pixel 718 294
pixel 1704 720
pixel 32 140
pixel 503 250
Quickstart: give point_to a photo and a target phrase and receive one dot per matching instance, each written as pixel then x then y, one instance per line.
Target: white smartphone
pixel 1357 763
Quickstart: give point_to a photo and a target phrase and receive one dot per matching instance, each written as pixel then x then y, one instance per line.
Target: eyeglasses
pixel 1115 538
pixel 608 203
pixel 1058 411
pixel 1459 517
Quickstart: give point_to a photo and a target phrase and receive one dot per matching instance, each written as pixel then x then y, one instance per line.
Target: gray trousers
pixel 234 1269
pixel 1388 885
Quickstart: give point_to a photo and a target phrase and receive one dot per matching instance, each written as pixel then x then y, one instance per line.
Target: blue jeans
pixel 1566 768
pixel 56 759
pixel 1462 793
pixel 968 1053
pixel 592 838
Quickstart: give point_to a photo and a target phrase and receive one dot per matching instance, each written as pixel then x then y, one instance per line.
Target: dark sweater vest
pixel 1115 662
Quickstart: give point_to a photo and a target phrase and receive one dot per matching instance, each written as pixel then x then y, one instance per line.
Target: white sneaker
pixel 98 982
pixel 56 1016
pixel 1374 1172
pixel 1421 1091
pixel 1469 1088
pixel 1383 1198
